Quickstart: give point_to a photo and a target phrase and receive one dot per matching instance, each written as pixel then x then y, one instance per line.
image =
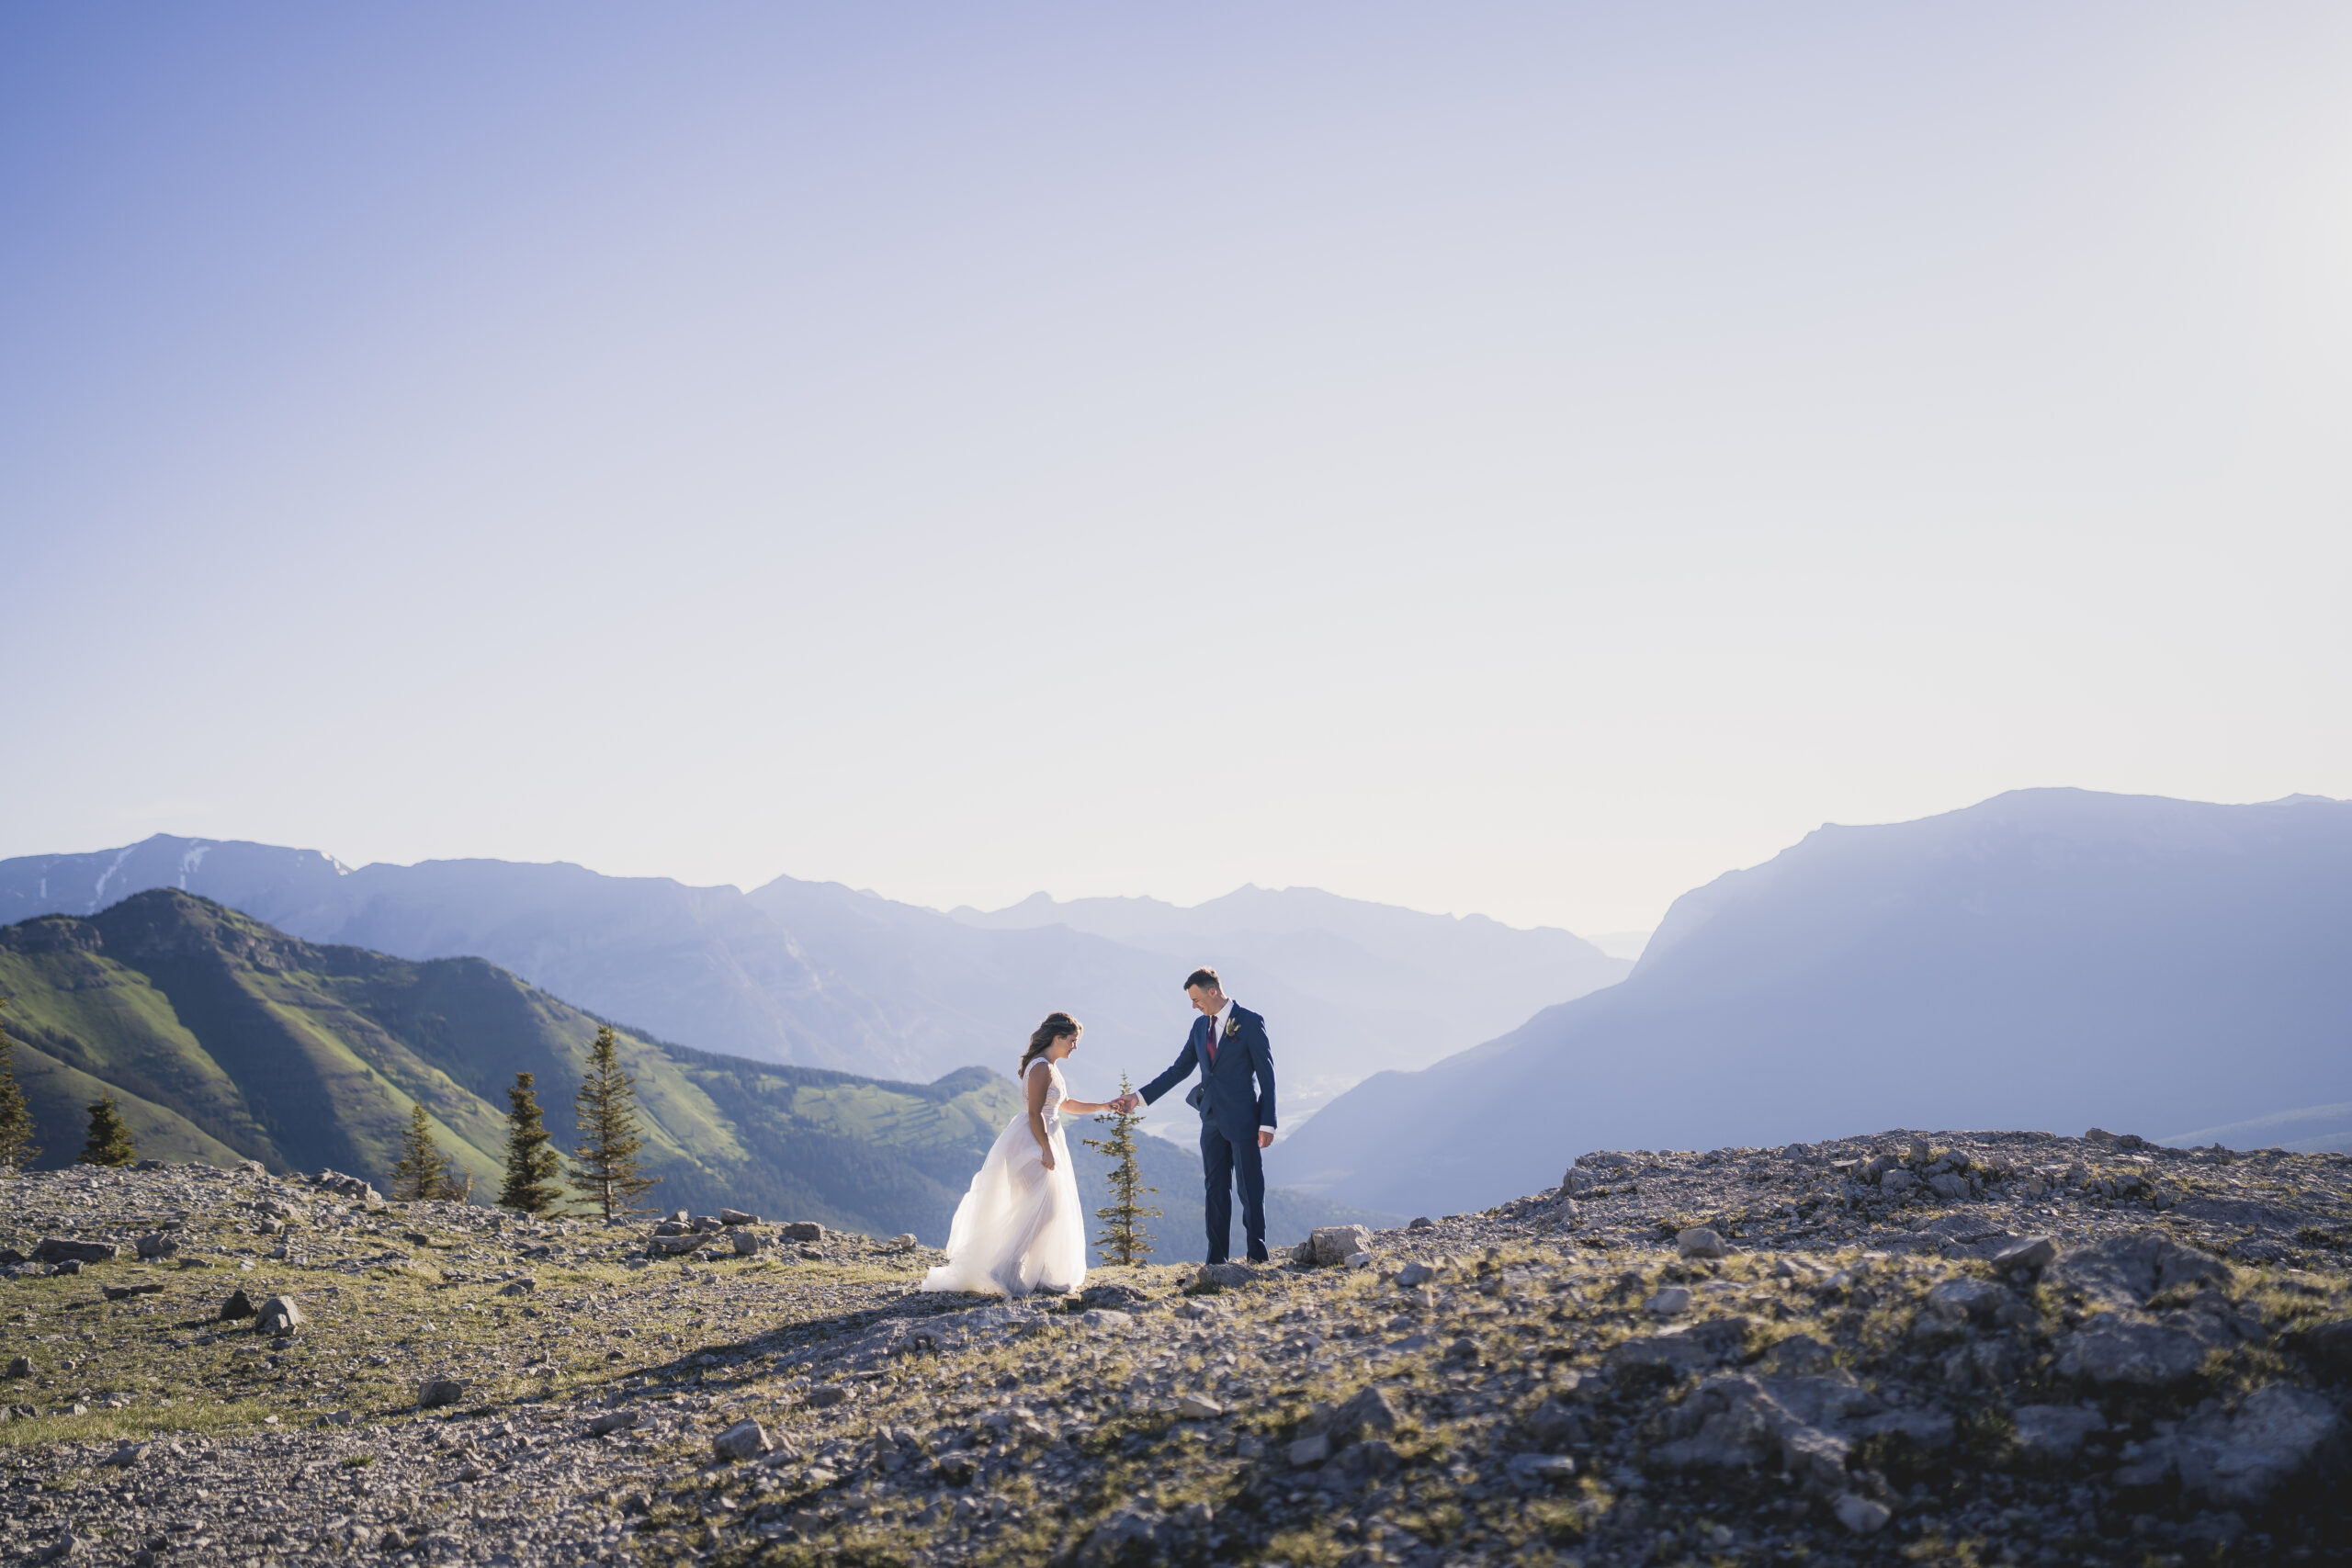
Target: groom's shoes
pixel 1258 1254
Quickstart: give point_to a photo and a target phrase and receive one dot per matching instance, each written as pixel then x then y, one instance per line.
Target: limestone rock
pixel 1550 1469
pixel 1369 1412
pixel 2125 1270
pixel 2112 1350
pixel 2279 1433
pixel 2329 1345
pixel 674 1246
pixel 1331 1244
pixel 1197 1407
pixel 156 1243
pixel 2054 1431
pixel 1700 1241
pixel 280 1315
pixel 1671 1302
pixel 747 1243
pixel 2033 1253
pixel 744 1439
pixel 1223 1275
pixel 613 1421
pixel 58 1249
pixel 433 1392
pixel 804 1230
pixel 737 1217
pixel 1964 1298
pixel 1862 1515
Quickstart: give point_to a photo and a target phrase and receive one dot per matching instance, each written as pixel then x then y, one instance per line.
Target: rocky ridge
pixel 1935 1348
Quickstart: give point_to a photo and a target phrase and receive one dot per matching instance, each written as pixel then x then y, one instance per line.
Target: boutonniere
pixel 1232 1027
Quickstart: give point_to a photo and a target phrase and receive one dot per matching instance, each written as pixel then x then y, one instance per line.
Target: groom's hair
pixel 1205 978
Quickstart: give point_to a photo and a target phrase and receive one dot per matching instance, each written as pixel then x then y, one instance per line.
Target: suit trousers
pixel 1228 1163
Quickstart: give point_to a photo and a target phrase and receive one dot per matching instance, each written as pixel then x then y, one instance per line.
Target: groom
pixel 1228 1044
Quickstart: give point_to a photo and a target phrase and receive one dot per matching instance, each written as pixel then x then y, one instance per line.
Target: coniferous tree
pixel 605 1167
pixel 109 1140
pixel 533 1170
pixel 422 1171
pixel 17 1149
pixel 1126 1241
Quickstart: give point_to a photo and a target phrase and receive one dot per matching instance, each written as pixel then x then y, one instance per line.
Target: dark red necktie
pixel 1212 1040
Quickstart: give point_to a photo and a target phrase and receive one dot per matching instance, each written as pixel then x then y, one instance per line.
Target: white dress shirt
pixel 1216 1033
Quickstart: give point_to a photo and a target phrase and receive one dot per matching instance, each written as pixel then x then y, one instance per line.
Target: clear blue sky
pixel 1522 459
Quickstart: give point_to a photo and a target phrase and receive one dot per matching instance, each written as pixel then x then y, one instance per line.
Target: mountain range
pixel 2053 958
pixel 815 974
pixel 222 1039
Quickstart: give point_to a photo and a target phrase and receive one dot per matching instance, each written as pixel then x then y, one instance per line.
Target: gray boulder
pixel 744 1439
pixel 674 1246
pixel 804 1230
pixel 2055 1431
pixel 2033 1254
pixel 1331 1244
pixel 1963 1299
pixel 748 1243
pixel 156 1245
pixel 2125 1270
pixel 1223 1275
pixel 433 1392
pixel 2112 1351
pixel 58 1249
pixel 280 1315
pixel 1700 1241
pixel 737 1217
pixel 1696 1348
pixel 2244 1458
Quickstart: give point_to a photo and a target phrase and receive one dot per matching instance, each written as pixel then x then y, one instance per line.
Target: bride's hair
pixel 1057 1026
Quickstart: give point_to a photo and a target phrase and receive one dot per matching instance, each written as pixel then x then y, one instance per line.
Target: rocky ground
pixel 1953 1347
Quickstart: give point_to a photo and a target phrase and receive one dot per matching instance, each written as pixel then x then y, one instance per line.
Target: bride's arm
pixel 1037 1082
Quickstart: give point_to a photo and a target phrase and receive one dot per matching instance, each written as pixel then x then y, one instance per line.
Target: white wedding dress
pixel 1020 1227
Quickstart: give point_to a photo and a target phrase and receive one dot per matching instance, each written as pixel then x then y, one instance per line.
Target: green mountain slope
pixel 224 1039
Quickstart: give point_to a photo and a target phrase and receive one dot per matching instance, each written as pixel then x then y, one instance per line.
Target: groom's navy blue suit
pixel 1236 1099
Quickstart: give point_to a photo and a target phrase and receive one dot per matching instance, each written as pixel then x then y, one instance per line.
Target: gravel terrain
pixel 1956 1348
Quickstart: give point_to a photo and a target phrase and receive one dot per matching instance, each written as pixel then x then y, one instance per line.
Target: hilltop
pixel 1958 1348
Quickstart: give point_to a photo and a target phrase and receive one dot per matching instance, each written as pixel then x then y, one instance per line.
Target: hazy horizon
pixel 1516 459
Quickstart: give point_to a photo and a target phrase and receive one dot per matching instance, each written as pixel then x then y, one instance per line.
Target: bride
pixel 1020 1228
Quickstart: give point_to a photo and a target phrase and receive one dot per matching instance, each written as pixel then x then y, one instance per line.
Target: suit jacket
pixel 1238 1091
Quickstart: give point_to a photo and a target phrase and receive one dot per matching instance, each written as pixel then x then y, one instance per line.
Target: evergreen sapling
pixel 422 1171
pixel 605 1167
pixel 1124 1241
pixel 109 1140
pixel 532 1167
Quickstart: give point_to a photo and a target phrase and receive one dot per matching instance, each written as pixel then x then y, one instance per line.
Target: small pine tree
pixel 422 1171
pixel 1125 1242
pixel 605 1166
pixel 17 1149
pixel 532 1168
pixel 109 1140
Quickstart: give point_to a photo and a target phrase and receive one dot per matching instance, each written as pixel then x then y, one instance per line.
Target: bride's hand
pixel 1047 1155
